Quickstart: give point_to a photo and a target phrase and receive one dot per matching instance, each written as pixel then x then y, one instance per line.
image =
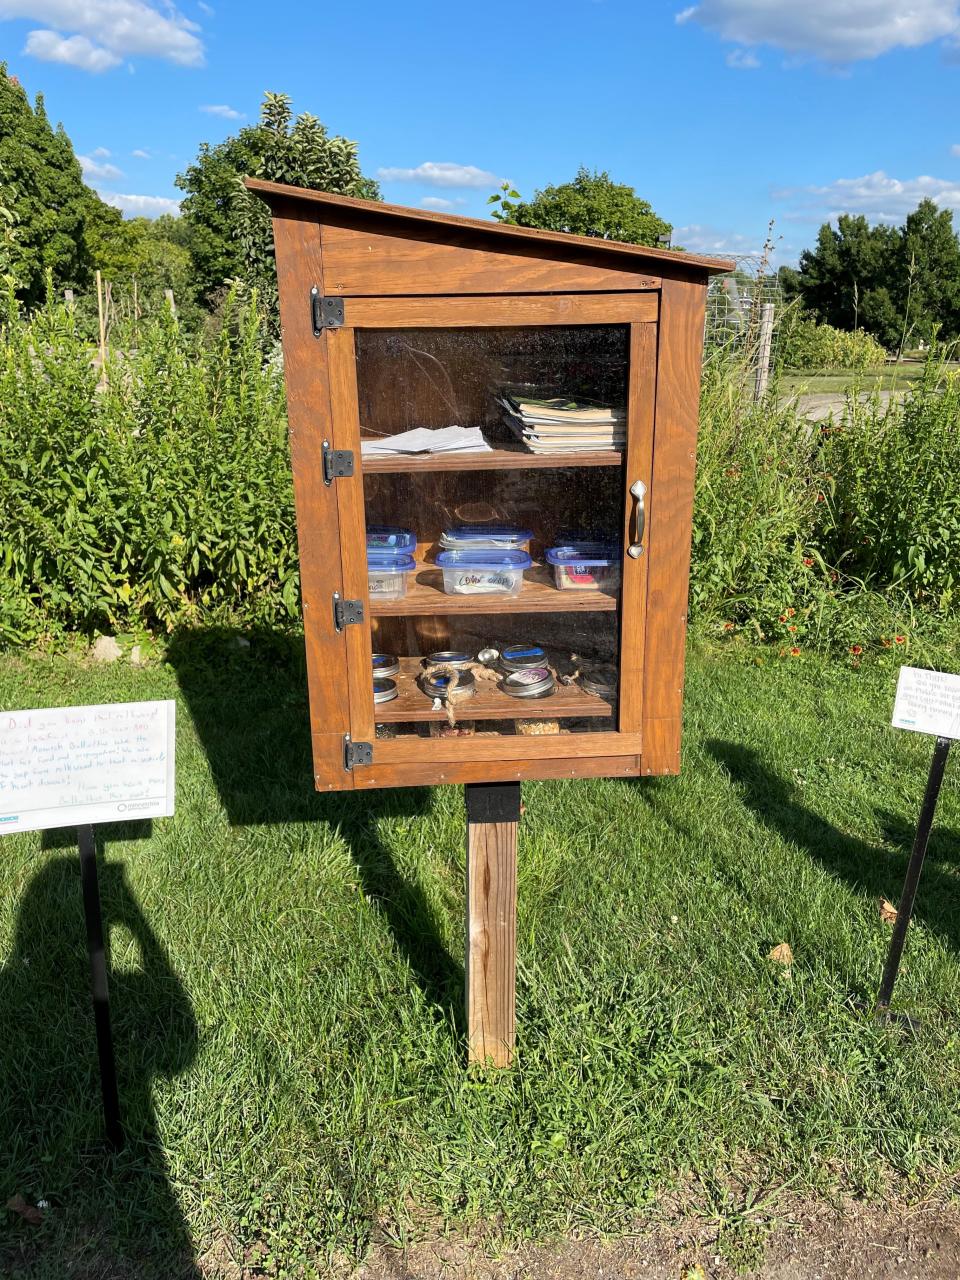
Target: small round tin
pixel 443 685
pixel 448 658
pixel 384 690
pixel 385 664
pixel 522 657
pixel 489 657
pixel 534 682
pixel 601 682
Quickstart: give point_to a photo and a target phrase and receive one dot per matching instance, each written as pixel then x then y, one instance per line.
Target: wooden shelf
pixel 426 595
pixel 501 459
pixel 488 703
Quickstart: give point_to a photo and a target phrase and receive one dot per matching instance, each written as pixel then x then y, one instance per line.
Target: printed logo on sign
pixel 9 817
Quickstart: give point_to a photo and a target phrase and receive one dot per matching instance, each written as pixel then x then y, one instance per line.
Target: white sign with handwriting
pixel 928 702
pixel 67 766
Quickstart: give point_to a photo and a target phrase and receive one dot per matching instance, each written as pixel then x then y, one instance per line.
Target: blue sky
pixel 723 114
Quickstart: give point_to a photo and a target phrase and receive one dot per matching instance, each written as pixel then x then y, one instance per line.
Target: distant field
pixel 889 378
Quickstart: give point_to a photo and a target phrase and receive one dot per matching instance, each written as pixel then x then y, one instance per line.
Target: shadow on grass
pixel 868 868
pixel 109 1214
pixel 247 695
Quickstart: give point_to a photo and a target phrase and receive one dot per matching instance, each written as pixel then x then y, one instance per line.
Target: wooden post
pixel 103 330
pixel 763 350
pixel 168 294
pixel 68 297
pixel 493 814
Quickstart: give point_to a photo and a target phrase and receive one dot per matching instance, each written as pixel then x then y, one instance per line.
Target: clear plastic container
pixel 388 573
pixel 474 537
pixel 488 572
pixel 389 537
pixel 585 566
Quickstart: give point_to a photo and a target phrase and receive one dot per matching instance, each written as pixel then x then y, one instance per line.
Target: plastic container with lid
pixel 388 573
pixel 388 537
pixel 585 566
pixel 488 572
pixel 473 537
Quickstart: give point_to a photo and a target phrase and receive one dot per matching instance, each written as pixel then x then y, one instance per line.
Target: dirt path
pixel 821 404
pixel 812 1242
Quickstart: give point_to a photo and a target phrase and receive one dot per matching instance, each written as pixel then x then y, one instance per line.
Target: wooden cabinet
pixel 395 319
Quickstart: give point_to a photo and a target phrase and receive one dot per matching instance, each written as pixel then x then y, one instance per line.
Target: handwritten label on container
pixel 66 766
pixel 928 702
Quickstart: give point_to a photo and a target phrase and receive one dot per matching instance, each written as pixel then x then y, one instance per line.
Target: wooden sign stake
pixel 493 815
pixel 98 982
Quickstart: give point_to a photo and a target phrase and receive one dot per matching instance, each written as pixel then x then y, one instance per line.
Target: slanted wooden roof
pixel 449 227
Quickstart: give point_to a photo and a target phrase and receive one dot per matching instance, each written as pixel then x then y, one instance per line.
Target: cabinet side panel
pixel 670 519
pixel 299 267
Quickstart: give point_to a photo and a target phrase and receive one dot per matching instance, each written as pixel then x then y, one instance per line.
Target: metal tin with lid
pixel 522 657
pixel 384 690
pixel 446 684
pixel 600 681
pixel 385 664
pixel 448 658
pixel 534 682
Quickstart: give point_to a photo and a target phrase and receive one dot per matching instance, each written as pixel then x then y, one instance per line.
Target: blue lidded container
pixel 490 571
pixel 465 537
pixel 387 573
pixel 585 566
pixel 388 537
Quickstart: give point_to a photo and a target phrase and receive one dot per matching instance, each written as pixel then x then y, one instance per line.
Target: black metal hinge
pixel 346 612
pixel 337 463
pixel 356 753
pixel 327 313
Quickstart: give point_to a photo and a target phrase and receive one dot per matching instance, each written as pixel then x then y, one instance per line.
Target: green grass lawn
pixel 893 377
pixel 287 984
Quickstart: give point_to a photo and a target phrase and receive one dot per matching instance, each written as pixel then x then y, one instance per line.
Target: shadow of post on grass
pixel 116 1210
pixel 868 868
pixel 247 696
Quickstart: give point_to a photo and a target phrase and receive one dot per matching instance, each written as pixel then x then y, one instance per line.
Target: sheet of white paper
pixel 928 702
pixel 66 766
pixel 425 440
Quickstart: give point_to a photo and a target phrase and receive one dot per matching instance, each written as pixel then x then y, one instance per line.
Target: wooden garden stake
pixel 493 814
pixel 103 329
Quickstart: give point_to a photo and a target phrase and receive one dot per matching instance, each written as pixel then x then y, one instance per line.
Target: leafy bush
pixel 156 494
pixel 893 515
pixel 805 344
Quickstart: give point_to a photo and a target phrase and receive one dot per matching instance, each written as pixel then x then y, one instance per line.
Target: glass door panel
pixel 494 573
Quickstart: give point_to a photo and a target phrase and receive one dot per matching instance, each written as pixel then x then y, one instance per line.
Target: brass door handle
pixel 638 492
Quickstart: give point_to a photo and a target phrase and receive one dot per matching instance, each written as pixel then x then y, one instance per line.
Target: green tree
pixel 591 205
pixel 44 194
pixel 929 273
pixel 840 278
pixel 230 231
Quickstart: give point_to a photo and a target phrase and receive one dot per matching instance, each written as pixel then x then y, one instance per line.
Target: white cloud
pixel 104 32
pixel 697 238
pixel 834 30
pixel 742 60
pixel 441 173
pixel 222 110
pixel 439 203
pixel 876 195
pixel 102 153
pixel 206 8
pixel 73 51
pixel 96 169
pixel 955 149
pixel 142 206
pixel 140 154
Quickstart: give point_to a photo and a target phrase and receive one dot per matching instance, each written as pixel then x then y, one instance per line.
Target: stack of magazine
pixel 560 424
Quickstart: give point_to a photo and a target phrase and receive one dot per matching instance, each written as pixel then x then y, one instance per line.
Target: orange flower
pixel 792 628
pixel 728 626
pixel 856 649
pixel 885 642
pixel 900 639
pixel 808 561
pixel 791 612
pixel 783 617
pixel 794 652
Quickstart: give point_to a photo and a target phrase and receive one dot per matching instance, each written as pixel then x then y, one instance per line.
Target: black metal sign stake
pixel 914 868
pixel 98 983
